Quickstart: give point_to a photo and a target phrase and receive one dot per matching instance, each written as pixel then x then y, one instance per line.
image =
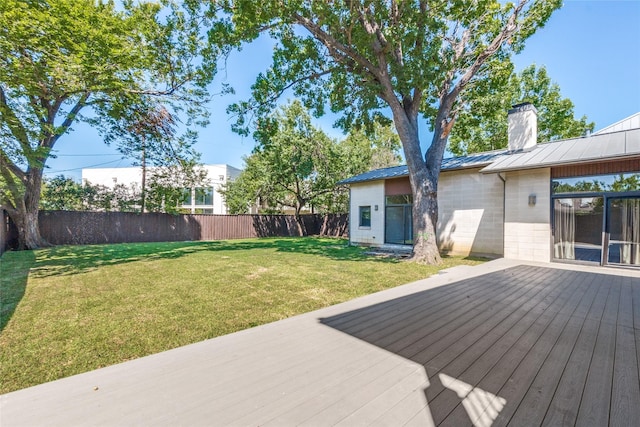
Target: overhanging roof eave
pixel 488 169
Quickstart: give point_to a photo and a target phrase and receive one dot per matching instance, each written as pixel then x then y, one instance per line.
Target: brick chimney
pixel 523 127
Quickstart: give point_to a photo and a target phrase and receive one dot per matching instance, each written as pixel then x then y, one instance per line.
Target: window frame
pixel 362 220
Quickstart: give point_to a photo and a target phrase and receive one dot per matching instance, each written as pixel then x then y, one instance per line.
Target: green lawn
pixel 71 309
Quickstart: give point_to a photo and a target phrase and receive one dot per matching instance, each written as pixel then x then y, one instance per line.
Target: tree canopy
pixel 416 59
pixel 298 166
pixel 294 164
pixel 65 61
pixel 482 124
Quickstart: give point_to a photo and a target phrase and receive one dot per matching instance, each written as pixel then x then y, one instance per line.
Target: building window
pixel 204 196
pixel 186 196
pixel 365 216
pixel 403 199
pixel 612 183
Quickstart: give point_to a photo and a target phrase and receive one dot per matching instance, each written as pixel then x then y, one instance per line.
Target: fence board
pixel 82 228
pixel 4 230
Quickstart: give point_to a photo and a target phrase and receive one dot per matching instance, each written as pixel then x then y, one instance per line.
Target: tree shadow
pixel 471 336
pixel 14 269
pixel 68 260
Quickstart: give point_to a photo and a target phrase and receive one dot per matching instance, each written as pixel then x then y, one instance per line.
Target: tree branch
pixel 13 123
pixel 13 189
pixel 504 35
pixel 334 45
pixel 6 163
pixel 68 121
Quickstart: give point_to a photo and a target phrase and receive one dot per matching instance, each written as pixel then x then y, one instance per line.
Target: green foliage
pixel 61 193
pixel 65 61
pixel 165 192
pixel 360 57
pixel 297 165
pixel 482 125
pixel 620 183
pixel 363 151
pixel 294 164
pixel 416 58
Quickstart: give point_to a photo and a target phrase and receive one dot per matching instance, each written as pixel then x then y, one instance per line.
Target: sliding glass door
pixel 577 229
pixel 398 223
pixel 596 218
pixel 623 225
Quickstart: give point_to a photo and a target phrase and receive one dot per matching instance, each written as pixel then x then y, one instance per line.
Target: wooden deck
pixel 546 346
pixel 523 345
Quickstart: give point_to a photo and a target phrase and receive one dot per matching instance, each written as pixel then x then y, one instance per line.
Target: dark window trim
pixel 361 219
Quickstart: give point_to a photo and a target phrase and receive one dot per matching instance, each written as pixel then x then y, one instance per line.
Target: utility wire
pixel 86 155
pixel 84 167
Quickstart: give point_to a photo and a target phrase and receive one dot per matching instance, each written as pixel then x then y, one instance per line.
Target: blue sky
pixel 590 48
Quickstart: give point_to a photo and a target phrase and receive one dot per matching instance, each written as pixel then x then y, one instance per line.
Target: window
pixel 404 199
pixel 204 196
pixel 621 182
pixel 365 216
pixel 186 196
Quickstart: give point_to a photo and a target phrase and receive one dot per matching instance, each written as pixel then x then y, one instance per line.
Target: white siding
pixel 470 213
pixel 527 230
pixel 367 194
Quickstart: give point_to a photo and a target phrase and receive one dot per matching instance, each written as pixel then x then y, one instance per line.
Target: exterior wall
pixel 397 186
pixel 527 229
pixel 110 177
pixel 367 194
pixel 217 175
pixel 470 213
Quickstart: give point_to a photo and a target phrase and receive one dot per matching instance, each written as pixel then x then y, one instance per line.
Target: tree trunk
pixel 302 230
pixel 424 186
pixel 143 199
pixel 25 214
pixel 28 230
pixel 425 219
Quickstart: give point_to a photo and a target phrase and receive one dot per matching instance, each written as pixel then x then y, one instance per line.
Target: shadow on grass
pixel 15 267
pixel 66 260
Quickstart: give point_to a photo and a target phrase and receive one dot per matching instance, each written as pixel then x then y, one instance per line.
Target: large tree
pixel 65 61
pixel 482 124
pixel 270 172
pixel 415 58
pixel 364 150
pixel 293 165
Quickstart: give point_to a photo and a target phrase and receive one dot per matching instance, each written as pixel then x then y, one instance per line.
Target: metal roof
pixel 620 140
pixel 607 146
pixel 453 163
pixel 631 122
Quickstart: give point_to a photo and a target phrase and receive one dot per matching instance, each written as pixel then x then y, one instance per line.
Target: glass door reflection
pixel 624 231
pixel 577 229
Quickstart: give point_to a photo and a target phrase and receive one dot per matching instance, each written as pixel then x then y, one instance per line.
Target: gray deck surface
pixel 504 343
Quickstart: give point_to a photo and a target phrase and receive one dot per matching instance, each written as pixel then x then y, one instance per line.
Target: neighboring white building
pixel 207 200
pixel 576 200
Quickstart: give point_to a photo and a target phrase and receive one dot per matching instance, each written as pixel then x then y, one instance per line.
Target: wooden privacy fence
pixel 85 228
pixel 4 231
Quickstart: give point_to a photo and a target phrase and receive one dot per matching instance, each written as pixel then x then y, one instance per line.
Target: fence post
pixel 3 232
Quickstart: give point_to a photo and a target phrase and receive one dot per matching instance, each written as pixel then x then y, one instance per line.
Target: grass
pixel 71 309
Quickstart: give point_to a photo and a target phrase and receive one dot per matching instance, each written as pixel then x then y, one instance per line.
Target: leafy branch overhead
pixel 66 61
pixel 298 166
pixel 417 59
pixel 482 124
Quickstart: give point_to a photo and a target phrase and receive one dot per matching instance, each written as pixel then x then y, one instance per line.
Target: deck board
pixel 515 344
pixel 491 371
pixel 596 398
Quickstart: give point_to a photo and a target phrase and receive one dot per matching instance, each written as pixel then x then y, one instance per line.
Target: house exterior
pixel 576 200
pixel 206 200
